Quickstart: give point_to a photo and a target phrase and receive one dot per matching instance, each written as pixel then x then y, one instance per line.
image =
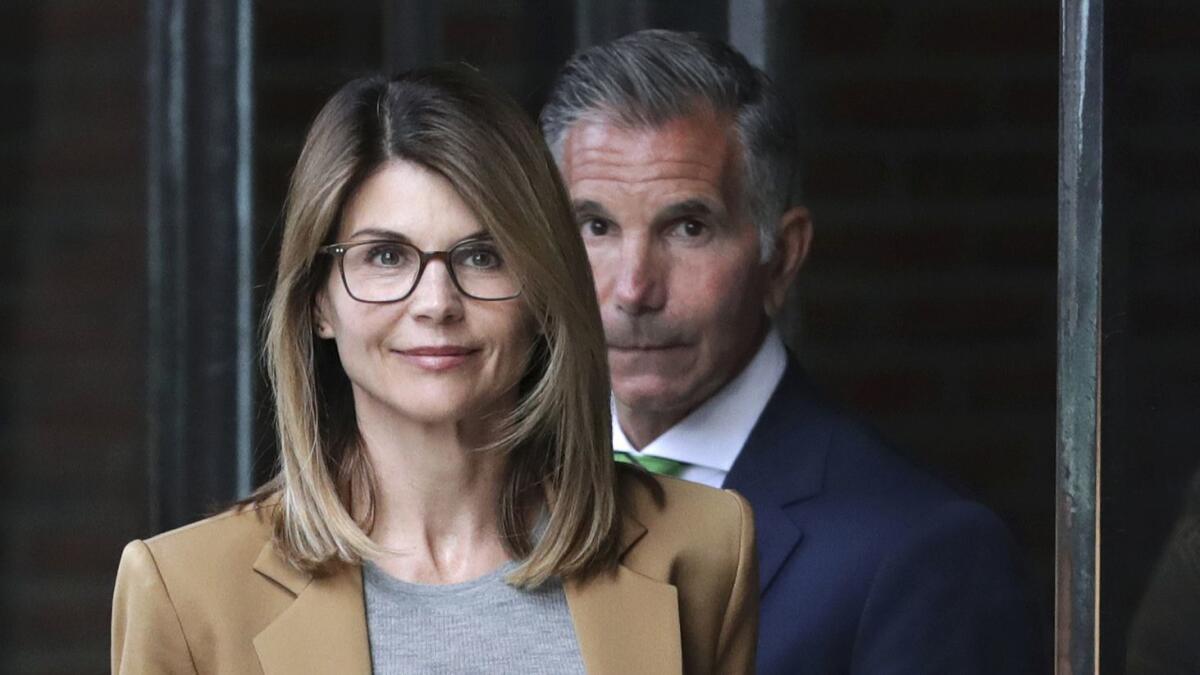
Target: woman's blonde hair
pixel 558 443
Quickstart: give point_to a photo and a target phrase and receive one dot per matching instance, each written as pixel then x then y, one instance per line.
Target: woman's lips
pixel 439 358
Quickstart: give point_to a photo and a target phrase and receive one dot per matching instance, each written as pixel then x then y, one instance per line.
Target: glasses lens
pixel 482 272
pixel 380 271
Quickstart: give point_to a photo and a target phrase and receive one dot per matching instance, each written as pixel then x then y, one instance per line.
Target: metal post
pixel 199 256
pixel 1079 331
pixel 748 30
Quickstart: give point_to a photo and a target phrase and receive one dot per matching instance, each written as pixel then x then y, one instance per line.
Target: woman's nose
pixel 436 298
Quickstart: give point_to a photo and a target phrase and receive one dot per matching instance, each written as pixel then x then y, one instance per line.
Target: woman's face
pixel 436 356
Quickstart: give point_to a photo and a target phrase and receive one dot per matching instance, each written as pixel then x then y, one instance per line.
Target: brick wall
pixel 72 486
pixel 928 304
pixel 1151 432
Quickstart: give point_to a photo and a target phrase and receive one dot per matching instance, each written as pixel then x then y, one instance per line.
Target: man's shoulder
pixel 851 455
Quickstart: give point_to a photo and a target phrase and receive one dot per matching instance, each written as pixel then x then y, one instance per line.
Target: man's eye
pixel 691 228
pixel 595 227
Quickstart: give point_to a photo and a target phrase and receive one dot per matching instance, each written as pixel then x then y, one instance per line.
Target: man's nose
pixel 641 278
pixel 436 298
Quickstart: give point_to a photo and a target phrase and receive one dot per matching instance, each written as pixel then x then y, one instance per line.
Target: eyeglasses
pixel 382 270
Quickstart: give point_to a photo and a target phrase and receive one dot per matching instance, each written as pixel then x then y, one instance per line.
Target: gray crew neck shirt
pixel 479 626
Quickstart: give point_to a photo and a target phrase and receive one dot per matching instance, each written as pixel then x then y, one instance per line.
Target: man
pixel 680 159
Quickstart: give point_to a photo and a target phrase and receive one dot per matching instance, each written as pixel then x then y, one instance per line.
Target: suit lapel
pixel 626 622
pixel 783 462
pixel 323 631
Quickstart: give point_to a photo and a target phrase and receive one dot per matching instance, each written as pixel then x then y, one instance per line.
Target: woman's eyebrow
pixel 481 235
pixel 393 235
pixel 380 233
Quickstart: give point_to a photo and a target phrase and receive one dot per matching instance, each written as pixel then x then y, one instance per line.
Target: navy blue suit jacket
pixel 868 565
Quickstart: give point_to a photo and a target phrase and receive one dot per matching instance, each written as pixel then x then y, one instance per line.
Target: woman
pixel 446 499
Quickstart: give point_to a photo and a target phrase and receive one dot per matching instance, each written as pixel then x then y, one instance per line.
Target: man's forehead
pixel 699 147
pixel 702 136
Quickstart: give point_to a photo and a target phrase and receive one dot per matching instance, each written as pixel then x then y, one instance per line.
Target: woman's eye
pixel 479 258
pixel 484 259
pixel 386 256
pixel 595 227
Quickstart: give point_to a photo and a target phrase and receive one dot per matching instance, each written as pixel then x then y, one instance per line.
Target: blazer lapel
pixel 323 631
pixel 626 622
pixel 783 462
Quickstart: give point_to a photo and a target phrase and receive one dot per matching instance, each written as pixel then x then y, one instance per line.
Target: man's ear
pixel 792 242
pixel 322 327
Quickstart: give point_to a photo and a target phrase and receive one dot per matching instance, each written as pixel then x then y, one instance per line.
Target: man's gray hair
pixel 648 78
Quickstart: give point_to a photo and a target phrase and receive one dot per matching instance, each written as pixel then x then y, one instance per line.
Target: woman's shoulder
pixel 212 551
pixel 236 533
pixel 685 521
pixel 193 598
pixel 699 540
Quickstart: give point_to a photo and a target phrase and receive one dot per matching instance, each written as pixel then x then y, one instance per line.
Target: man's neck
pixel 642 427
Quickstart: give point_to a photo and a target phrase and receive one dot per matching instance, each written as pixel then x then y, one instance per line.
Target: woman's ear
pixel 322 327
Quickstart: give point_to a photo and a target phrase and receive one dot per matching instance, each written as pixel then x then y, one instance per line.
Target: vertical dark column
pixel 200 262
pixel 412 34
pixel 598 21
pixel 1079 258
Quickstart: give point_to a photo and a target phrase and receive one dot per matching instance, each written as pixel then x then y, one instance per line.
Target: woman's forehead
pixel 405 200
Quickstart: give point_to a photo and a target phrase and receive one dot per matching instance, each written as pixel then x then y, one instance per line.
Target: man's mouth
pixel 645 347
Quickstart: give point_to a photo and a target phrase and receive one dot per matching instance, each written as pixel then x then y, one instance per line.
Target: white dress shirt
pixel 711 436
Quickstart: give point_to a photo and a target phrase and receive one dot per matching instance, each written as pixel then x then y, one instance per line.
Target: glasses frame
pixel 339 250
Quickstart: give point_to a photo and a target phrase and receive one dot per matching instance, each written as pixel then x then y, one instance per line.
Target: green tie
pixel 659 465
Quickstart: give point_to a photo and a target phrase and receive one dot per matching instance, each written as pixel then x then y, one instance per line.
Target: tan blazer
pixel 215 597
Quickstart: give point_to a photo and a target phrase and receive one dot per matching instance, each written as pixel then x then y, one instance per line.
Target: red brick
pixel 1030 102
pixel 1165 27
pixel 845 174
pixel 901 104
pixel 481 39
pixel 965 175
pixel 894 391
pixel 996 28
pixel 852 30
pixel 892 251
pixel 73 22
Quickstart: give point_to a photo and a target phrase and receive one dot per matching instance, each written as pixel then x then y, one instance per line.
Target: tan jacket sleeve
pixel 147 636
pixel 738 638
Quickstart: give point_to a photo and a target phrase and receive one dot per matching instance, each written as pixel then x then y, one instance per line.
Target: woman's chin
pixel 432 408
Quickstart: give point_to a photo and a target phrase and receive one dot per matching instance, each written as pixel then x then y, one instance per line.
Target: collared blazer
pixel 216 597
pixel 868 565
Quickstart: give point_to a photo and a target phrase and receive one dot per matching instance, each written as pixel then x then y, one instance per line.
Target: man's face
pixel 675 257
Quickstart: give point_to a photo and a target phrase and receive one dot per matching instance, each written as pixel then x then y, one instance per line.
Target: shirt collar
pixel 713 434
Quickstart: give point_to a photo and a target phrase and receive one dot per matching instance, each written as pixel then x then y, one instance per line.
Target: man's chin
pixel 649 395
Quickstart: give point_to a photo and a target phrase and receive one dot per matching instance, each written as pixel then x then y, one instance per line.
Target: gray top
pixel 479 626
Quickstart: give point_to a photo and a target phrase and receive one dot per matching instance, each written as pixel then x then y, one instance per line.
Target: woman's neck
pixel 436 497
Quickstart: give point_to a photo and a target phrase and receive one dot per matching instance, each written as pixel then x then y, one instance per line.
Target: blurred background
pixel 150 143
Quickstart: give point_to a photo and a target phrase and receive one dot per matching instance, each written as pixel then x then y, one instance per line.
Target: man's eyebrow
pixel 690 207
pixel 589 207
